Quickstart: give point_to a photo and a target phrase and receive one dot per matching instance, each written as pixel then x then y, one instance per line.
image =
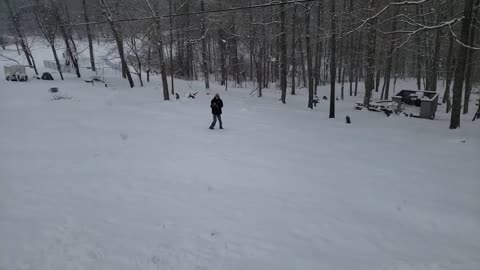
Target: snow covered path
pixel 117 179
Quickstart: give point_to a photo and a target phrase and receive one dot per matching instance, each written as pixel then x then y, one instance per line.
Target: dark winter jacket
pixel 216 105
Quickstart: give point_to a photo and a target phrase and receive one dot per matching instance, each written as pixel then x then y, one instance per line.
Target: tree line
pixel 347 44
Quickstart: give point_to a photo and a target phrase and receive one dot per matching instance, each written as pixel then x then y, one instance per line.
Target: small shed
pixel 426 100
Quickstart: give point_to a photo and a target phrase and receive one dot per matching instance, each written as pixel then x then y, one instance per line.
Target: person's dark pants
pixel 215 117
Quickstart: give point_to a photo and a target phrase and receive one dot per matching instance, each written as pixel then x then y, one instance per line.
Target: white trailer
pixel 15 73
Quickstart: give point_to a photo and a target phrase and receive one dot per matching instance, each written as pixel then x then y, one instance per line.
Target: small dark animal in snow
pixel 348 120
pixel 192 95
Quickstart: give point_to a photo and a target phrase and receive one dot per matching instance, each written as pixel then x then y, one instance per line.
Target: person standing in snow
pixel 216 105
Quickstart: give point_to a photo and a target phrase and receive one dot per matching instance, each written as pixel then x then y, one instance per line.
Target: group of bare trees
pixel 349 44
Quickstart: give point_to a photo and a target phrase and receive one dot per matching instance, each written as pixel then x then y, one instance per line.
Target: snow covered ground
pixel 115 178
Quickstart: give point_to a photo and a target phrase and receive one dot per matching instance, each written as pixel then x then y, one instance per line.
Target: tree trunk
pixel 69 51
pixel 283 49
pixel 333 48
pixel 357 63
pixel 160 50
pixel 121 53
pixel 470 61
pixel 264 59
pixel 204 48
pixel 461 64
pixel 370 51
pixel 16 24
pixel 302 63
pixel 222 44
pixel 172 72
pixel 163 68
pixel 149 56
pixel 426 52
pixel 319 47
pixel 342 92
pixel 233 50
pixel 388 71
pixel 450 67
pixel 119 41
pixel 352 54
pixel 89 35
pixel 419 57
pixel 378 72
pixel 251 41
pixel 139 71
pixel 308 45
pixel 436 57
pixel 55 56
pixel 294 42
pixel 188 65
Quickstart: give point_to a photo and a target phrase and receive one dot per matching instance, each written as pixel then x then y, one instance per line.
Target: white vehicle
pixel 15 73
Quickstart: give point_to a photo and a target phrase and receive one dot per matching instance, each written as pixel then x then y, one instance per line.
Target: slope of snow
pixel 115 178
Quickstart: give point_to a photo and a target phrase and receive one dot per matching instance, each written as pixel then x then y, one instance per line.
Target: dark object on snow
pixel 337 99
pixel 17 77
pixel 387 112
pixel 54 90
pixel 177 96
pixel 358 106
pixel 325 98
pixel 47 76
pixel 426 100
pixel 316 100
pixel 347 119
pixel 60 97
pixel 477 114
pixel 192 95
pixel 216 104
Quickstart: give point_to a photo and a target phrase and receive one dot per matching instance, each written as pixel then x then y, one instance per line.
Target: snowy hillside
pixel 116 178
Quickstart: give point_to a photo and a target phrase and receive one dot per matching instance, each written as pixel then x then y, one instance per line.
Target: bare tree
pixel 48 24
pixel 388 71
pixel 308 45
pixel 172 73
pixel 283 52
pixel 370 53
pixel 89 34
pixel 118 39
pixel 15 19
pixel 158 41
pixel 294 47
pixel 333 52
pixel 204 48
pixel 462 55
pixel 470 60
